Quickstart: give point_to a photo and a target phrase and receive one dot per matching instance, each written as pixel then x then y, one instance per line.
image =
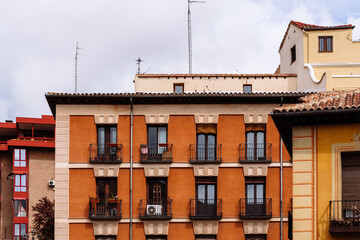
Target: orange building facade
pixel 170 166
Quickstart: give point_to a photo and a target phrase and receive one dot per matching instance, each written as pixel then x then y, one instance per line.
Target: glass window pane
pixel 321 43
pixel 260 145
pixel 211 147
pixel 179 89
pixel 101 140
pixel 16 208
pixel 200 151
pixel 16 229
pixel 247 88
pixel 23 180
pixel 16 155
pixel 23 229
pixel 113 135
pixel 152 135
pixel 328 44
pixel 23 154
pixel 22 163
pixel 250 138
pixel 16 163
pixel 250 194
pixel 17 180
pixel 201 193
pixel 161 138
pixel 259 193
pixel 210 194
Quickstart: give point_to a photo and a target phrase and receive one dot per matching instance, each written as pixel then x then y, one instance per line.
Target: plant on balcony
pixel 94 199
pixel 114 199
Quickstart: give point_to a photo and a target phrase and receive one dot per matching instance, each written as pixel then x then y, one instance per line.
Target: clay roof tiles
pixel 327 100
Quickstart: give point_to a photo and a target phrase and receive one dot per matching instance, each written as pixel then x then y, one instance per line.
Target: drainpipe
pixel 281 189
pixel 131 166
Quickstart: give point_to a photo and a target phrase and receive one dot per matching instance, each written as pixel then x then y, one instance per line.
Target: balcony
pixel 160 153
pixel 205 209
pixel 345 216
pixel 109 153
pixel 155 210
pixel 101 209
pixel 255 208
pixel 205 153
pixel 255 153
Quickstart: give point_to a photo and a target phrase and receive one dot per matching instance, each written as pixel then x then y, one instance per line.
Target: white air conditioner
pixel 153 209
pixel 51 183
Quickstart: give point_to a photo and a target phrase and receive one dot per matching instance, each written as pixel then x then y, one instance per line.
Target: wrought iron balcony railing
pixel 205 153
pixel 255 208
pixel 154 209
pixel 101 209
pixel 160 153
pixel 105 153
pixel 205 209
pixel 252 153
pixel 344 216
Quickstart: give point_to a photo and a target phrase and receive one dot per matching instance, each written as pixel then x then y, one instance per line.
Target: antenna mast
pixel 138 62
pixel 76 55
pixel 189 33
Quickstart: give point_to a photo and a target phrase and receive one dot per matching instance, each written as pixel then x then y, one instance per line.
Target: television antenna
pixel 189 33
pixel 138 62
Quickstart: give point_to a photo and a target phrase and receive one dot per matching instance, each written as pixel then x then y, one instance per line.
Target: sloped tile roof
pixel 327 100
pixel 309 27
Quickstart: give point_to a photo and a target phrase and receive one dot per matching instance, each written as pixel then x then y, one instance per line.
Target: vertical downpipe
pixel 281 189
pixel 131 166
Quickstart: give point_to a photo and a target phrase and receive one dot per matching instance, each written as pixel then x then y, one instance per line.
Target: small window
pixel 247 88
pixel 326 44
pixel 293 54
pixel 20 183
pixel 19 158
pixel 178 88
pixel 19 231
pixel 20 208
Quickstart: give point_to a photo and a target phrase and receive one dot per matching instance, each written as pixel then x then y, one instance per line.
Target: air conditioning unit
pixel 153 209
pixel 51 183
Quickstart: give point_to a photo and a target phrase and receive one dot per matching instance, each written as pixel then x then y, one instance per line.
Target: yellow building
pixel 324 57
pixel 323 136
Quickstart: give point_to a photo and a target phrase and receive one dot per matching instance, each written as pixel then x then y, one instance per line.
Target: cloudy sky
pixel 38 39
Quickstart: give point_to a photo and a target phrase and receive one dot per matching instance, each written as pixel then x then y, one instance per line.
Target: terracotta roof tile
pixel 327 100
pixel 309 27
pixel 224 75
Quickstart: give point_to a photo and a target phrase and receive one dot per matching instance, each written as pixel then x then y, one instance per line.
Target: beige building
pixel 323 57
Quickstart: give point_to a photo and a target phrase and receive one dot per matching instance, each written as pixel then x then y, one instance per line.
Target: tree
pixel 43 222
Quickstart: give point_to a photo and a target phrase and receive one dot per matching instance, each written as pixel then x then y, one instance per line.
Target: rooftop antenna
pixel 76 55
pixel 189 33
pixel 138 62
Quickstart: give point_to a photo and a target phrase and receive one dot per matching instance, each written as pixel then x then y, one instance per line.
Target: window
pixel 206 142
pixel 19 158
pixel 105 238
pixel 178 88
pixel 156 237
pixel 255 142
pixel 293 54
pixel 157 140
pixel 205 197
pixel 106 188
pixel 106 145
pixel 20 208
pixel 247 88
pixel 255 196
pixel 326 44
pixel 20 183
pixel 19 231
pixel 255 237
pixel 204 237
pixel 157 190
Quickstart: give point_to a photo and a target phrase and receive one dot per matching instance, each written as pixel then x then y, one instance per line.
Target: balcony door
pixel 255 142
pixel 255 197
pixel 157 196
pixel 205 197
pixel 157 141
pixel 107 135
pixel 206 142
pixel 106 188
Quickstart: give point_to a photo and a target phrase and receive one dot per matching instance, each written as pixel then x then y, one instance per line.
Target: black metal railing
pixel 250 152
pixel 155 209
pixel 205 153
pixel 344 216
pixel 105 209
pixel 259 208
pixel 205 208
pixel 105 153
pixel 160 153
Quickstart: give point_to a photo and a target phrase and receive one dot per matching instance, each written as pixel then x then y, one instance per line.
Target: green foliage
pixel 44 218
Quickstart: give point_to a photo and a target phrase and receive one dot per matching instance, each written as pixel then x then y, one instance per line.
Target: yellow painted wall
pixel 327 136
